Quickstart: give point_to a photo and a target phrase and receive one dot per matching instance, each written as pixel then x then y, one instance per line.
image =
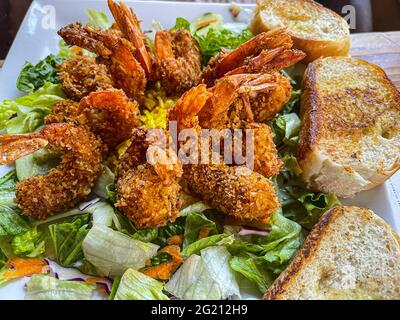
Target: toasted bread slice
pixel 350 254
pixel 350 136
pixel 316 30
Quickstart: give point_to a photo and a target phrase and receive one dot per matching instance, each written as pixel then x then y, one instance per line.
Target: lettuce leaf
pixel 29 244
pixel 26 114
pixel 253 270
pixel 36 164
pixel 201 244
pixel 33 77
pixel 98 19
pixel 67 238
pixel 287 129
pixel 11 221
pixel 193 281
pixel 112 252
pixel 43 287
pixel 135 285
pixel 195 223
pixel 106 179
pixel 217 261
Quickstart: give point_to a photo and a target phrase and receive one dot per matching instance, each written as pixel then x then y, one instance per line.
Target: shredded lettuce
pixel 33 77
pixel 67 238
pixel 43 287
pixel 26 114
pixel 106 179
pixel 198 206
pixel 112 252
pixel 135 285
pixel 287 129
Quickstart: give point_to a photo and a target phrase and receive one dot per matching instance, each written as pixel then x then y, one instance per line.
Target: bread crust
pixel 287 278
pixel 347 114
pixel 312 44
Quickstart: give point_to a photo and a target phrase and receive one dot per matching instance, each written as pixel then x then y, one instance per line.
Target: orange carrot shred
pixel 204 232
pixel 25 267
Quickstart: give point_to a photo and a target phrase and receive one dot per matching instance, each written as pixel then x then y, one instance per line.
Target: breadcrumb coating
pixel 67 184
pixel 82 75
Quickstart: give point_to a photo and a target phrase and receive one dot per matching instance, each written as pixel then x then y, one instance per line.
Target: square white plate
pixel 38 37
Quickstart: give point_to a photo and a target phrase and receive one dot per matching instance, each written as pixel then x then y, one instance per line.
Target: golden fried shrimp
pixel 82 75
pixel 129 25
pixel 147 188
pixel 114 52
pixel 64 186
pixel 108 113
pixel 229 107
pixel 178 60
pixel 235 191
pixel 266 53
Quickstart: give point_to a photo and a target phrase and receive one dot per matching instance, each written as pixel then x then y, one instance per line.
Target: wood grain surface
pixel 382 49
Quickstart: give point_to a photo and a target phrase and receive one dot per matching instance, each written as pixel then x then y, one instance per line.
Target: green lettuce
pixel 287 129
pixel 29 244
pixel 36 164
pixel 33 77
pixel 113 252
pixel 67 238
pixel 201 244
pixel 195 222
pixel 98 19
pixel 43 287
pixel 106 179
pixel 26 114
pixel 135 285
pixel 11 220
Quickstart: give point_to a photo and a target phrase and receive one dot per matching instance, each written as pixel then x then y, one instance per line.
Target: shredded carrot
pixel 206 22
pixel 165 270
pixel 175 240
pixel 25 267
pixel 204 232
pixel 96 281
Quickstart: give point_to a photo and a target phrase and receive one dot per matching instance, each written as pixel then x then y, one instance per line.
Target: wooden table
pixel 382 49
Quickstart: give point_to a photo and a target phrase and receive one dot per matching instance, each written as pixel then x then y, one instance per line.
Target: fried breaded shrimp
pixel 235 191
pixel 129 25
pixel 178 63
pixel 229 107
pixel 64 186
pixel 266 53
pixel 108 113
pixel 82 75
pixel 116 53
pixel 147 188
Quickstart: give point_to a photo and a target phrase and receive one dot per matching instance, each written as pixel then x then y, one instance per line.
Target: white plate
pixel 37 37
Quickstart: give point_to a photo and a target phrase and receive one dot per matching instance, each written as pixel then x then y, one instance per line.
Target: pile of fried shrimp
pixel 238 90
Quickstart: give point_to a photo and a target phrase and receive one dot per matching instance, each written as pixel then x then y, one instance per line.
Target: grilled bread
pixel 350 136
pixel 350 254
pixel 316 30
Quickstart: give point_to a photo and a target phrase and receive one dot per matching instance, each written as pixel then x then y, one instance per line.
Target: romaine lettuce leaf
pixel 11 221
pixel 33 77
pixel 36 164
pixel 135 285
pixel 195 223
pixel 26 114
pixel 201 244
pixel 29 244
pixel 193 281
pixel 287 129
pixel 107 178
pixel 43 287
pixel 113 252
pixel 217 262
pixel 67 238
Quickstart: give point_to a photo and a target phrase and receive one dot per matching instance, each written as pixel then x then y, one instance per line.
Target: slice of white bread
pixel 350 254
pixel 350 136
pixel 316 30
